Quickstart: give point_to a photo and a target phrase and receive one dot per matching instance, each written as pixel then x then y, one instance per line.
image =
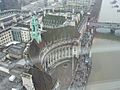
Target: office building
pixel 9 4
pixel 20 34
pixel 77 5
pixel 5 37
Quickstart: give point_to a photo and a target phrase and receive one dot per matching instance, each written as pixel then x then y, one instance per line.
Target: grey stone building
pixel 9 4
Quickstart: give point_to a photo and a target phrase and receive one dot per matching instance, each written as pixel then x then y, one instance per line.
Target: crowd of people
pixel 84 62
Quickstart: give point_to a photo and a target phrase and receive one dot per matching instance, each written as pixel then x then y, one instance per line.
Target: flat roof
pixel 10 43
pixel 5 84
pixel 19 28
pixel 2 54
pixel 34 5
pixel 57 34
pixel 6 16
pixel 16 48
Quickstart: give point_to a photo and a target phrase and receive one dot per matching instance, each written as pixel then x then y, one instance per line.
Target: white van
pixel 12 78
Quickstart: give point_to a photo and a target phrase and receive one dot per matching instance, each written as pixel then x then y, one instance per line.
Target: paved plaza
pixel 64 74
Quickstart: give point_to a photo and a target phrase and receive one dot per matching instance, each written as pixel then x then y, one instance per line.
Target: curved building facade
pixel 62 45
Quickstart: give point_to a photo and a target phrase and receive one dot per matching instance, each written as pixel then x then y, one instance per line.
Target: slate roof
pixel 41 80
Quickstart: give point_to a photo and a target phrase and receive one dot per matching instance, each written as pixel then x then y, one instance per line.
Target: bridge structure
pixel 107 25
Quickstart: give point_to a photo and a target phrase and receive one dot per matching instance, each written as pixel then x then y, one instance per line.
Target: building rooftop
pixel 16 49
pixel 60 33
pixel 4 30
pixel 53 20
pixel 6 84
pixel 2 55
pixel 11 43
pixel 34 6
pixel 5 16
pixel 8 18
pixel 41 80
pixel 17 28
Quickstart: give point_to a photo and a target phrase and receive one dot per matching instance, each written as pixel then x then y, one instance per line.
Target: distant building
pixel 53 21
pixel 35 6
pixel 25 33
pixel 8 34
pixel 2 56
pixel 1 6
pixel 45 3
pixel 16 35
pixel 58 20
pixel 55 0
pixel 77 5
pixel 20 34
pixel 9 4
pixel 16 51
pixel 5 37
pixel 8 20
pixel 23 2
pixel 10 85
pixel 64 2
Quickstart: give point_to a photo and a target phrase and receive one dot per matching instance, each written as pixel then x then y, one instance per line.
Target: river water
pixel 105 74
pixel 109 13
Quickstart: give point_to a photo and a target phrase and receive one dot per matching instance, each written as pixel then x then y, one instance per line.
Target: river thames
pixel 109 13
pixel 105 74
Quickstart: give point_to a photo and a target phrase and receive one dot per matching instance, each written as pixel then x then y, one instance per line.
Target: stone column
pixel 49 59
pixel 46 64
pixel 69 51
pixel 44 13
pixel 58 53
pixel 73 66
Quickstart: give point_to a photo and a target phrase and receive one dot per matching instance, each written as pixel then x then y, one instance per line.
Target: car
pixel 12 78
pixel 88 13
